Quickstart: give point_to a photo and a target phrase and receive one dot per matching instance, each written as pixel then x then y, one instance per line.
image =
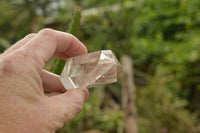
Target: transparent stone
pixel 96 68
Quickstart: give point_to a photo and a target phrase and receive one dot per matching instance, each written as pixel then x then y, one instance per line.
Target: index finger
pixel 48 43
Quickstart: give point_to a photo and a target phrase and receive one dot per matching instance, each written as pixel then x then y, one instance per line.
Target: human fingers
pixel 51 82
pixel 65 106
pixel 20 43
pixel 48 43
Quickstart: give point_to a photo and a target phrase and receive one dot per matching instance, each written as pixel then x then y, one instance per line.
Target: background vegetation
pixel 162 38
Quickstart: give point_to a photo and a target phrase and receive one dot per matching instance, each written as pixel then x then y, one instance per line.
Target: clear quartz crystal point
pixel 101 67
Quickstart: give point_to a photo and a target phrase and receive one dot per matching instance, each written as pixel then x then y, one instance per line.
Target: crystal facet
pixel 101 67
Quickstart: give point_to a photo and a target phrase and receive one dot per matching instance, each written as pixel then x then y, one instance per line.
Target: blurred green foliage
pixel 162 38
pixel 58 64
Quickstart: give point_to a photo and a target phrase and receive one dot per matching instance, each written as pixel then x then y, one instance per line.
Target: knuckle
pixel 78 98
pixel 30 35
pixel 58 124
pixel 8 64
pixel 78 108
pixel 70 112
pixel 73 39
pixel 80 101
pixel 47 32
pixel 10 59
pixel 20 55
pixel 80 95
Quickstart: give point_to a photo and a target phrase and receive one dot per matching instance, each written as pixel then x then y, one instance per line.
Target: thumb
pixel 66 106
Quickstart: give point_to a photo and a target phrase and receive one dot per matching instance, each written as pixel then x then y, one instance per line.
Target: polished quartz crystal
pixel 96 68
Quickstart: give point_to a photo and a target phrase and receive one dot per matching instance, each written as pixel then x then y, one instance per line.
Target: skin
pixel 24 108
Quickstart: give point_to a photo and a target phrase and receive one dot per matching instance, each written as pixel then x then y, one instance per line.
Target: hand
pixel 24 108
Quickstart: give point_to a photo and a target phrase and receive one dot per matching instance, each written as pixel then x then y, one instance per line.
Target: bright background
pixel 162 37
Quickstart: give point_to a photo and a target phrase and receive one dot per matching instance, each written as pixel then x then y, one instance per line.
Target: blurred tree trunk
pixel 128 95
